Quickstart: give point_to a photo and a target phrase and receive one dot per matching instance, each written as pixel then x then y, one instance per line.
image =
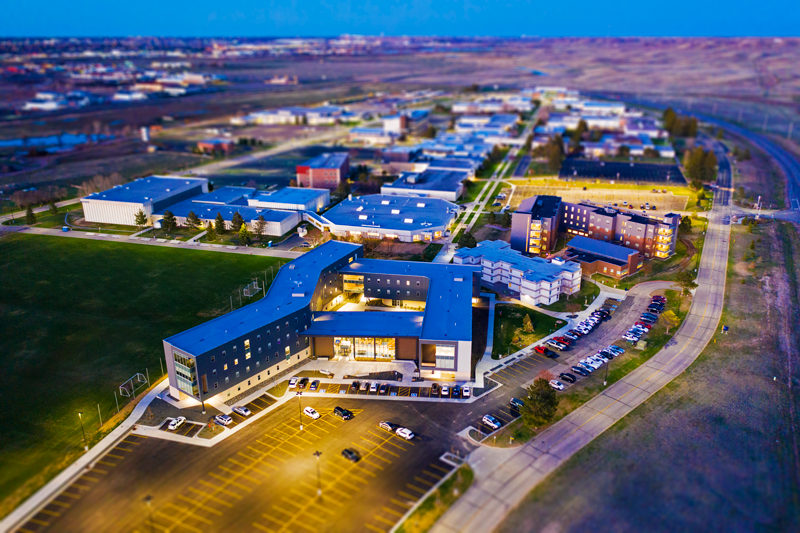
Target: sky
pixel 504 18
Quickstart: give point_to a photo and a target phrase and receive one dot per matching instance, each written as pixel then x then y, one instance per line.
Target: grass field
pixel 80 318
pixel 472 189
pixel 424 517
pixel 715 449
pixel 587 293
pixel 509 335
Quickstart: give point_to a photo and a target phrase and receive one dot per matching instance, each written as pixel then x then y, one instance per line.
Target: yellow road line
pixel 61 504
pixel 120 448
pixel 392 511
pixel 211 497
pixel 188 512
pixel 92 479
pixel 131 442
pixel 423 481
pixel 230 481
pixel 407 495
pixel 291 502
pixel 435 476
pixel 82 487
pixel 114 456
pixel 23 530
pixel 402 504
pixel 263 528
pixel 76 496
pixel 177 522
pixel 195 502
pixel 39 522
pixel 415 488
pixel 51 513
pixel 437 467
pixel 363 471
pixel 318 519
pixel 219 489
pixel 373 528
pixel 234 472
pixel 268 517
pixel 384 520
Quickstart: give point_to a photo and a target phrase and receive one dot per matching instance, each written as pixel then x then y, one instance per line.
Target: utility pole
pixel 300 408
pixel 85 445
pixel 100 415
pixel 319 476
pixel 148 501
pixel 116 401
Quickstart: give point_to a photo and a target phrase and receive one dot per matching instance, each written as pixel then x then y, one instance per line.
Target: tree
pixel 467 241
pixel 219 224
pixel 555 154
pixel 140 219
pixel 30 216
pixel 260 227
pixel 577 135
pixel 505 220
pixel 686 281
pixel 236 221
pixel 541 404
pixel 623 151
pixel 430 133
pixel 668 118
pixel 53 207
pixel 168 222
pixel 752 245
pixel 192 220
pixel 686 224
pixel 492 218
pixel 343 189
pixel 211 233
pixel 527 324
pixel 651 152
pixel 244 235
pixel 670 319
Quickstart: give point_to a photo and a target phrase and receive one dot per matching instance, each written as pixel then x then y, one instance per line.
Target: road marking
pixel 219 489
pixel 178 522
pixel 402 504
pixel 210 497
pixel 131 442
pixel 392 511
pixel 61 504
pixel 39 522
pixel 70 495
pixel 49 512
pixel 384 520
pixel 83 487
pixel 435 476
pixel 92 479
pixel 423 481
pixel 291 502
pixel 263 528
pixel 120 448
pixel 230 481
pixel 265 515
pixel 195 502
pixel 114 456
pixel 373 528
pixel 188 512
pixel 234 472
pixel 415 488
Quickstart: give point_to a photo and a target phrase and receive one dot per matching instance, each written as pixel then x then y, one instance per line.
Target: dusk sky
pixel 394 17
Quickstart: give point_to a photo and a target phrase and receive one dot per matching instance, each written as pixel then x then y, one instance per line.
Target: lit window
pixel 225 366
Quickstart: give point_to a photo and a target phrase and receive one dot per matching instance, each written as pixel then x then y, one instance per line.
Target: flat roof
pixel 533 268
pixel 448 309
pixel 588 257
pixel 367 324
pixel 380 211
pixel 462 163
pixel 327 160
pixel 301 274
pixel 224 195
pixel 150 189
pixel 601 248
pixel 210 211
pixel 430 180
pixel 541 206
pixel 291 195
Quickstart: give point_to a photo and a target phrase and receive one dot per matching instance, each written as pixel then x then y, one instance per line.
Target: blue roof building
pixel 292 199
pixel 432 182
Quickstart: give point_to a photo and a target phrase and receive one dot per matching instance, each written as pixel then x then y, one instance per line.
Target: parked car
pixel 351 455
pixel 383 389
pixel 445 390
pixel 303 384
pixel 615 348
pixel 587 367
pixel 571 336
pixel 354 386
pixel 176 423
pixel 293 383
pixel 311 412
pixel 373 387
pixel 466 391
pixel 569 378
pixel 579 370
pixel 388 426
pixel 405 433
pixel 434 388
pixel 456 391
pixel 557 385
pixel 243 411
pixel 557 345
pixel 492 422
pixel 364 386
pixel 314 385
pixel 342 413
pixel 223 420
pixel 516 403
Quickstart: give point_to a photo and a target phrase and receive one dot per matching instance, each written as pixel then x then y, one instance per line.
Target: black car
pixel 351 455
pixel 580 371
pixel 342 413
pixel 569 378
pixel 516 403
pixel 434 388
pixel 302 383
pixel 608 354
pixel 354 386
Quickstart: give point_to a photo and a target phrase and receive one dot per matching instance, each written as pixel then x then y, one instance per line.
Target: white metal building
pixel 292 199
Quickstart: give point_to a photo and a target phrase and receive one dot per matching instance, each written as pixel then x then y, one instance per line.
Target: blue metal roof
pixel 150 189
pixel 376 211
pixel 430 180
pixel 367 324
pixel 209 211
pixel 448 309
pixel 601 248
pixel 279 301
pixel 225 195
pixel 533 268
pixel 327 160
pixel 291 195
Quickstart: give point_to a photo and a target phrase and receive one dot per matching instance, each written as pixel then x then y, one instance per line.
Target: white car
pixel 293 383
pixel 445 390
pixel 373 387
pixel 603 358
pixel 630 338
pixel 492 422
pixel 405 433
pixel 311 413
pixel 466 391
pixel 557 385
pixel 591 362
pixel 178 422
pixel 223 420
pixel 239 410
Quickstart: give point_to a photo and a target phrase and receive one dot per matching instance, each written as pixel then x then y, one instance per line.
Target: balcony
pixel 665 231
pixel 662 255
pixel 662 247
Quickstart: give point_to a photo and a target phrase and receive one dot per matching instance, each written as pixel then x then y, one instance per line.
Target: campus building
pixel 324 171
pixel 599 257
pixel 298 318
pixel 378 216
pixel 534 226
pixel 430 183
pixel 120 204
pixel 292 199
pixel 534 280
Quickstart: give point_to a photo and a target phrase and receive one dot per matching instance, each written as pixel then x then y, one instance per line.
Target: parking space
pixel 187 429
pixel 619 171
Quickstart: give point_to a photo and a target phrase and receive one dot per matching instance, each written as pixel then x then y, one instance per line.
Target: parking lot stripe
pixel 114 456
pixel 211 497
pixel 364 470
pixel 70 495
pixel 262 454
pixel 219 489
pixel 230 481
pixel 235 473
pixel 92 479
pixel 431 474
pixel 268 517
pixel 61 504
pixel 188 513
pixel 504 417
pixel 39 522
pixel 49 512
pixel 126 441
pixel 177 522
pixel 402 504
pixel 98 471
pixel 304 526
pixel 391 441
pixel 291 502
pixel 121 449
pixel 437 467
pixel 263 528
pixel 195 502
pixel 383 449
pixel 392 511
pixel 83 487
pixel 423 481
pixel 384 520
pixel 415 488
pixel 373 528
pixel 409 496
pixel 318 519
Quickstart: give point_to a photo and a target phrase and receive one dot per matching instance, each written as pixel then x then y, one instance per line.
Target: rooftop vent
pixel 409 220
pixel 362 217
pixel 395 211
pixel 420 205
pixel 384 202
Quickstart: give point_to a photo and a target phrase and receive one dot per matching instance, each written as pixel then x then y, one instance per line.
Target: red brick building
pixel 325 171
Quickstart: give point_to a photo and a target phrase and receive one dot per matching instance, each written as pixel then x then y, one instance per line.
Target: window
pixel 225 366
pixel 247 355
pixel 214 372
pixel 288 353
pixel 247 368
pixel 278 327
pixel 212 358
pixel 269 345
pixel 234 347
pixel 247 344
pixel 297 343
pixel 224 353
pixel 259 350
pixel 418 284
pixel 287 323
pixel 216 384
pixel 417 293
pixel 408 282
pixel 398 282
pixel 237 373
pixel 235 361
pixel 258 364
pixel 445 356
pixel 227 380
pixel 379 291
pixel 306 340
pixel 267 333
pixel 258 337
pixel 408 293
pixel 295 320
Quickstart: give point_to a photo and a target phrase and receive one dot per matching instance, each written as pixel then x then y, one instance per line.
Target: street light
pixel 605 379
pixel 148 501
pixel 85 445
pixel 319 476
pixel 300 408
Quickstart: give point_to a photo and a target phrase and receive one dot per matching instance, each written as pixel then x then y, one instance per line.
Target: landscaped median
pixel 511 334
pixel 437 503
pixel 586 388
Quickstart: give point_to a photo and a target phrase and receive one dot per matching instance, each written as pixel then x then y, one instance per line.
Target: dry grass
pixel 634 196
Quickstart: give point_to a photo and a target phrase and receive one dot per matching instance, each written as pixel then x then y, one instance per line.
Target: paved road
pixel 505 477
pixel 21 214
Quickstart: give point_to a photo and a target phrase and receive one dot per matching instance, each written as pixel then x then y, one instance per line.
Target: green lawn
pixel 509 336
pixel 425 516
pixel 80 318
pixel 181 233
pixel 587 293
pixel 472 189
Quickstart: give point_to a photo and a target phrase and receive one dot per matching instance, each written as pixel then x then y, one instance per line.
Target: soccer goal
pixel 252 289
pixel 136 382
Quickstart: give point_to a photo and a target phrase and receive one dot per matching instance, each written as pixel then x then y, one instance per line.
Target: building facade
pixel 324 171
pixel 534 226
pixel 599 257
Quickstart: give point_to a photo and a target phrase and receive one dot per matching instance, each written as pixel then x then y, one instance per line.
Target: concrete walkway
pixel 30 506
pixel 504 477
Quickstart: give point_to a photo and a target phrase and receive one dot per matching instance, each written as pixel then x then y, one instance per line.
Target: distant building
pixel 213 146
pixel 445 184
pixel 534 280
pixel 324 171
pixel 277 222
pixel 372 136
pixel 415 122
pixel 534 226
pixel 598 257
pixel 120 204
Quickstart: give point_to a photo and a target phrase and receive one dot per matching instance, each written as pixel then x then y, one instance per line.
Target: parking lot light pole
pixel 300 408
pixel 319 476
pixel 85 445
pixel 605 379
pixel 148 500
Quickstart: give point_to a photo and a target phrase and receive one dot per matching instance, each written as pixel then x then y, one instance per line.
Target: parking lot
pixel 265 477
pixel 638 172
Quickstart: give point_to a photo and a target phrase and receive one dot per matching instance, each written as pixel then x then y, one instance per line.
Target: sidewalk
pixel 51 489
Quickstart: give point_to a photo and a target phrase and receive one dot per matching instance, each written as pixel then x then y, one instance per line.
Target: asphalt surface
pixel 649 172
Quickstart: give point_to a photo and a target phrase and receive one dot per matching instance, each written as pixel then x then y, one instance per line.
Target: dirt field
pixel 397 248
pixel 664 202
pixel 716 450
pixel 757 177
